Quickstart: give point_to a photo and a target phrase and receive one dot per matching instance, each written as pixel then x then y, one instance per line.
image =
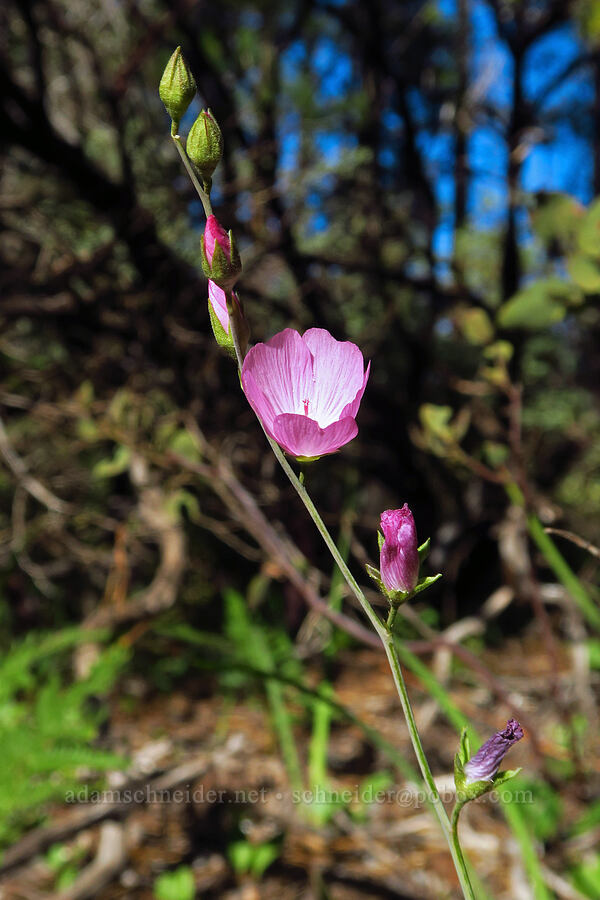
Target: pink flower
pixel 399 557
pixel 306 390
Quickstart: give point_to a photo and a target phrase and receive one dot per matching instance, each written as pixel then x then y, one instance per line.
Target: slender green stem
pixel 392 617
pixel 459 863
pixel 456 842
pixel 194 179
pixel 383 630
pixel 387 640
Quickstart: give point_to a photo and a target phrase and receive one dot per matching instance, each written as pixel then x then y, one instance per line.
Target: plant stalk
pixel 206 204
pixel 383 630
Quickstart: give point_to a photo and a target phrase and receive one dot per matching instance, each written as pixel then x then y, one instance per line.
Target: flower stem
pixel 387 639
pixel 384 630
pixel 201 192
pixel 456 844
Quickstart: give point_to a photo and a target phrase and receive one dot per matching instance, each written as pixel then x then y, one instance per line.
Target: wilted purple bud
pixel 399 557
pixel 484 765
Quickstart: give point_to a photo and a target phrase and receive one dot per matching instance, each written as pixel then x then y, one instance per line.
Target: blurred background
pixel 419 178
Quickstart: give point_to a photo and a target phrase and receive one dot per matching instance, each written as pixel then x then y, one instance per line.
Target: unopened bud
pixel 221 261
pixel 205 145
pixel 222 322
pixel 177 88
pixel 475 776
pixel 399 556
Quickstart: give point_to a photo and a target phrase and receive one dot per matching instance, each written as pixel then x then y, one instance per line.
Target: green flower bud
pixel 205 145
pixel 177 88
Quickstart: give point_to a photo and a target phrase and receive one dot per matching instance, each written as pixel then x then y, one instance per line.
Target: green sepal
pixel 424 583
pixel 465 746
pixel 222 337
pixel 204 259
pixel 307 459
pixel 220 265
pixel 223 271
pixel 465 792
pixel 502 777
pixel 374 573
pixel 380 540
pixel 397 598
pixel 177 88
pixel 459 773
pixel 423 550
pixel 204 146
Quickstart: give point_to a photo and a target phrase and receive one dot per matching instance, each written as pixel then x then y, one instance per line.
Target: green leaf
pixel 108 468
pixel 177 885
pixel 559 217
pixel 264 855
pixel 586 877
pixel 589 231
pixel 537 306
pixel 240 856
pixel 495 454
pixel 185 444
pixel 476 325
pixel 585 273
pixel 181 500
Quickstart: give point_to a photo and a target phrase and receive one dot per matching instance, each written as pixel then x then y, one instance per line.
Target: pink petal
pixel 282 371
pixel 352 408
pixel 214 231
pixel 258 401
pixel 218 302
pixel 338 373
pixel 399 557
pixel 301 436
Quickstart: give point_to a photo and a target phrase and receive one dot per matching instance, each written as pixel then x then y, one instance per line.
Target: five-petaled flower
pixel 484 765
pixel 306 390
pixel 399 557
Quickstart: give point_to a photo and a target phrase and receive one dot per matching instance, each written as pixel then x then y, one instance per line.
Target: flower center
pixel 305 404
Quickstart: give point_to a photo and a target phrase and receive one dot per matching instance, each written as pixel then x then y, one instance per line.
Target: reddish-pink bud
pixel 221 261
pixel 399 557
pixel 215 233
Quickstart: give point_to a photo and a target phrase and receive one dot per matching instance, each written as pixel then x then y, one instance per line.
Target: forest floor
pixel 210 774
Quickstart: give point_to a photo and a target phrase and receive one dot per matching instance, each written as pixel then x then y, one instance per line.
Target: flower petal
pixel 282 370
pixel 351 409
pixel 218 302
pixel 301 436
pixel 214 231
pixel 259 402
pixel 399 557
pixel 338 375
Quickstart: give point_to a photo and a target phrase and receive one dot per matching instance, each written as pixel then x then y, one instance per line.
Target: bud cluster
pixel 221 261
